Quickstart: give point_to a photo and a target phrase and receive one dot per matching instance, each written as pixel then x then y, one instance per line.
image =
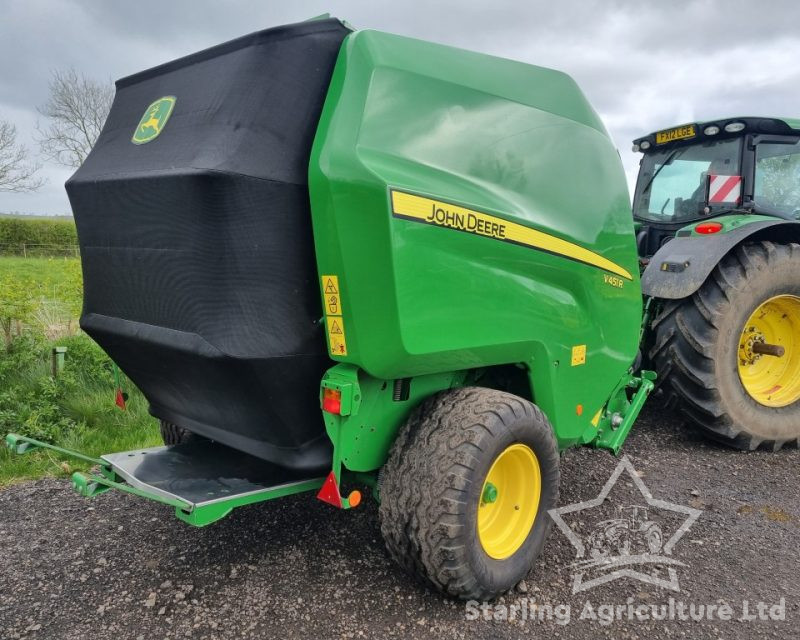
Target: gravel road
pixel 121 567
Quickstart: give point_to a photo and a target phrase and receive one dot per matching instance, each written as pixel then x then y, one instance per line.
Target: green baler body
pixel 471 226
pixel 483 138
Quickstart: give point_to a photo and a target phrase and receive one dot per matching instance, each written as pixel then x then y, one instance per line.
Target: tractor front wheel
pixel 466 490
pixel 729 356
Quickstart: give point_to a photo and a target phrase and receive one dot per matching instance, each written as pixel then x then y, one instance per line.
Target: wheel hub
pixel 750 336
pixel 769 352
pixel 509 501
pixel 489 493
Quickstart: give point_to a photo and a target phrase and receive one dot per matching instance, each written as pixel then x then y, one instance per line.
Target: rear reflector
pixel 329 492
pixel 707 228
pixel 354 499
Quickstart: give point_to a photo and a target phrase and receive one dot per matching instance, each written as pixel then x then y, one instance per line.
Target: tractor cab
pixel 704 170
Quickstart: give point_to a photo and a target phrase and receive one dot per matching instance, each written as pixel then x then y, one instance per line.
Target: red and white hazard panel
pixel 724 189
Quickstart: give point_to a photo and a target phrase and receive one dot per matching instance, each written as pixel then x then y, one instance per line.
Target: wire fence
pixel 54 319
pixel 30 250
pixel 51 317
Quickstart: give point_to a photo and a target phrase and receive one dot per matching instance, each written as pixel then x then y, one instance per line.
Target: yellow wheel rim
pixel 509 501
pixel 772 380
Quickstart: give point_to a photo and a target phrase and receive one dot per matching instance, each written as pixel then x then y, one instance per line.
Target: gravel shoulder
pixel 72 568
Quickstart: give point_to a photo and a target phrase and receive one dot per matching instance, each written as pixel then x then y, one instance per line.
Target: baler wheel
pixel 728 357
pixel 172 434
pixel 466 489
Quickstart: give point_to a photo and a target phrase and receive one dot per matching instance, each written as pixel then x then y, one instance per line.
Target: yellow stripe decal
pixel 410 206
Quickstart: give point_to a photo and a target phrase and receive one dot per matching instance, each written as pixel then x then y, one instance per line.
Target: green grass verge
pixel 77 412
pixel 49 272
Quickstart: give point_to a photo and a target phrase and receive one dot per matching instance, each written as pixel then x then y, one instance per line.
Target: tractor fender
pixel 681 266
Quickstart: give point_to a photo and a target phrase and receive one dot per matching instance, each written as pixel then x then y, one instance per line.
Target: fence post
pixel 57 360
pixel 24 251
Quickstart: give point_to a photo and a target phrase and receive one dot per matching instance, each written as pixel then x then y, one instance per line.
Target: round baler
pixel 329 256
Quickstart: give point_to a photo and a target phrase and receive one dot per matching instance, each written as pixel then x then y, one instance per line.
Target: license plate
pixel 675 134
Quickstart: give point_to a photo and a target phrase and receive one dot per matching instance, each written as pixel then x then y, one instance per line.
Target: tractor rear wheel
pixel 466 490
pixel 729 356
pixel 172 434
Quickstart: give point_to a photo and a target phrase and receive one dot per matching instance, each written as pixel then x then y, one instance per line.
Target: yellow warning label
pixel 330 285
pixel 596 419
pixel 336 337
pixel 331 297
pixel 578 354
pixel 439 213
pixel 333 305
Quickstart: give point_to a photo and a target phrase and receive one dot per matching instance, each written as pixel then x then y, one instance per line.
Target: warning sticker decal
pixel 578 355
pixel 331 297
pixel 330 294
pixel 336 337
pixel 330 284
pixel 724 189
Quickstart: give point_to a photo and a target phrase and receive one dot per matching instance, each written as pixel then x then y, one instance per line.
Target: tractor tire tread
pixel 685 334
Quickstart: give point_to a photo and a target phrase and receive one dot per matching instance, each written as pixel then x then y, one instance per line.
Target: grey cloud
pixel 643 65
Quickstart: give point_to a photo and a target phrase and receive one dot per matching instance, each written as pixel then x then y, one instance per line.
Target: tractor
pixel 717 215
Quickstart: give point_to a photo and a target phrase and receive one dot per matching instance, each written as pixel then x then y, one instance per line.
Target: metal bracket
pixel 619 414
pixel 198 514
pixel 22 444
pixel 343 378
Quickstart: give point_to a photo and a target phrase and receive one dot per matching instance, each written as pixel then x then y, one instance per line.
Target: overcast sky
pixel 643 64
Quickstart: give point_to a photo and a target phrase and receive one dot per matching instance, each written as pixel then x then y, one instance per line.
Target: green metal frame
pixel 371 415
pixel 372 412
pixel 729 221
pixel 90 485
pixel 620 413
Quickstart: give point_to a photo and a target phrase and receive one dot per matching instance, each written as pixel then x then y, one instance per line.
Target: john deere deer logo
pixel 153 120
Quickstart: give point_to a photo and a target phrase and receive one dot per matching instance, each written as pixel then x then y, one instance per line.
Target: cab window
pixel 672 183
pixel 777 183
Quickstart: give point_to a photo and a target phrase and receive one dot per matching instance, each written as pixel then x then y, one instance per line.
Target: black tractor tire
pixel 431 487
pixel 695 348
pixel 172 434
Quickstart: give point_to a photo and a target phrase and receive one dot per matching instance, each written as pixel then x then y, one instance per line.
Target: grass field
pixel 55 283
pixel 27 216
pixel 49 272
pixel 100 427
pixel 76 411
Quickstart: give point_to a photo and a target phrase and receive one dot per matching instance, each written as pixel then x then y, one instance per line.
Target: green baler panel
pixel 503 139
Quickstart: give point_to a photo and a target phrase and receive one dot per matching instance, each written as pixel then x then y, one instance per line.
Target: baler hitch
pixel 203 481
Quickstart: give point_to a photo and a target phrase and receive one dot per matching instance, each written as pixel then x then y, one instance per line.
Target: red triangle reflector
pixel 330 492
pixel 120 400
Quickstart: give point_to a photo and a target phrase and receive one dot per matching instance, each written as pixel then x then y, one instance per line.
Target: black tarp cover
pixel 198 260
